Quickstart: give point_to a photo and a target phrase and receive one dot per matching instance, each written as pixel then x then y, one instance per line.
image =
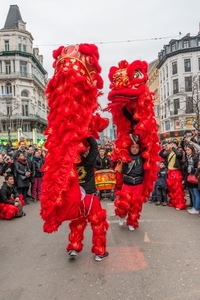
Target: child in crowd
pixel 161 185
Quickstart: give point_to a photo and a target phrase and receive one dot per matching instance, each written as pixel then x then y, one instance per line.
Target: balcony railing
pixel 30 117
pixel 174 112
pixel 21 74
pixel 6 96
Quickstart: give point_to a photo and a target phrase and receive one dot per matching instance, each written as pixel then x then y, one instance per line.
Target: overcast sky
pixel 57 22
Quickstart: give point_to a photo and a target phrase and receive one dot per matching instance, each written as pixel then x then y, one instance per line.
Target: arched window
pixel 8 88
pixel 24 94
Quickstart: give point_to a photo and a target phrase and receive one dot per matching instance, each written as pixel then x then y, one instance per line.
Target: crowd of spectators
pixel 25 162
pixel 24 165
pixel 186 154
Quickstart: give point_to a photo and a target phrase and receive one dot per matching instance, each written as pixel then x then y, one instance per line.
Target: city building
pixel 179 74
pixel 153 83
pixel 23 105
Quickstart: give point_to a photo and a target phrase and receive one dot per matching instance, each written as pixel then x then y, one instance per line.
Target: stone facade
pixel 23 105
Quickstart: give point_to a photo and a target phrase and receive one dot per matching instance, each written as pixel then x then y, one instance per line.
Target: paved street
pixel 158 261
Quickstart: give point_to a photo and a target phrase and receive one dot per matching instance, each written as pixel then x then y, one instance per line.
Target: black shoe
pixel 23 214
pixel 101 257
pixel 27 203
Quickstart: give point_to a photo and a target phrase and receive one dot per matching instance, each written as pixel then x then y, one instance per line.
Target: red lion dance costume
pixel 72 99
pixel 132 108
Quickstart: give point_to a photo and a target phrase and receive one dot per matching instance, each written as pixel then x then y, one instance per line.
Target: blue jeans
pixel 195 198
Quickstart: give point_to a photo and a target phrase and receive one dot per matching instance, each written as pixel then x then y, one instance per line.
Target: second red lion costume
pixel 132 107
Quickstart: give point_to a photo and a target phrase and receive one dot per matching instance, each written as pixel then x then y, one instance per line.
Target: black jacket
pixel 37 165
pixel 162 176
pixel 193 171
pixel 20 171
pixel 86 168
pixel 102 163
pixel 2 168
pixel 6 192
pixel 133 171
pixel 165 154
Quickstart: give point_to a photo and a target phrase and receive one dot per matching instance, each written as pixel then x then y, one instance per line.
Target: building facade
pixel 179 75
pixel 154 87
pixel 23 105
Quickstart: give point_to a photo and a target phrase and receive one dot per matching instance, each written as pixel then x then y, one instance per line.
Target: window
pixel 198 42
pixel 176 106
pixel 186 44
pixel 26 127
pixel 168 105
pixel 167 89
pixel 39 103
pixel 199 63
pixel 43 106
pixel 20 47
pixel 166 71
pixel 6 43
pixel 187 65
pixel 164 92
pixel 167 125
pixel 174 68
pixel 156 111
pixel 199 82
pixel 24 94
pixel 25 110
pixel 163 75
pixel 188 84
pixel 189 105
pixel 8 67
pixel 175 86
pixel 23 68
pixel 8 88
pixel 173 47
pixel 24 45
pixel 9 111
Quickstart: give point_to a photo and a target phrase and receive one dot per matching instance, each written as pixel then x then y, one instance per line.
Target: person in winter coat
pixel 161 185
pixel 37 181
pixel 2 170
pixel 10 204
pixel 102 161
pixel 22 173
pixel 190 167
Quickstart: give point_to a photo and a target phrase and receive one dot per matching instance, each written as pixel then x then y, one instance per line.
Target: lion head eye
pixel 137 74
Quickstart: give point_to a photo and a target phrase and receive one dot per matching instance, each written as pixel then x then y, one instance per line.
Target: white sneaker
pixel 130 227
pixel 73 253
pixel 193 211
pixel 121 221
